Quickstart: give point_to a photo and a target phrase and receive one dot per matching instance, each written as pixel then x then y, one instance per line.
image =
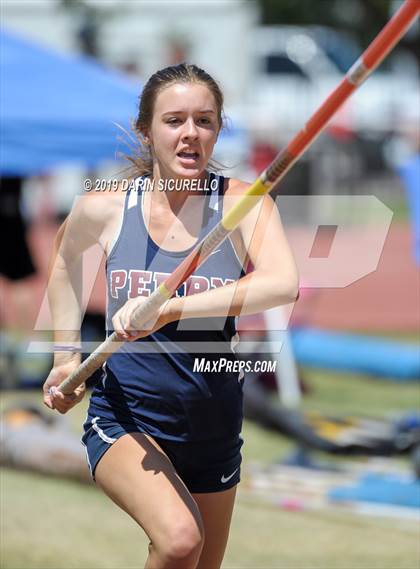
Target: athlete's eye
pixel 173 120
pixel 204 120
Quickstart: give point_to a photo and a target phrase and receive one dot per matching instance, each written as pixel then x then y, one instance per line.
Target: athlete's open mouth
pixel 188 155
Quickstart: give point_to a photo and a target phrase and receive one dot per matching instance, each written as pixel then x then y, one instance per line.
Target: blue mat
pixel 356 353
pixel 373 488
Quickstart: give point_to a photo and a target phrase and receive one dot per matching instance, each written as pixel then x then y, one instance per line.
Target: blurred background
pixel 332 437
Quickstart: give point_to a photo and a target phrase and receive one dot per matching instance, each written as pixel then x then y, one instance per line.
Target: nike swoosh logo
pixel 214 252
pixel 225 479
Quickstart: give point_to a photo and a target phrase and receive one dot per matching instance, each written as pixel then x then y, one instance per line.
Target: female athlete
pixel 162 434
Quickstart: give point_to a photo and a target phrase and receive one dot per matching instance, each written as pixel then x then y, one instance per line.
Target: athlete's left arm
pixel 273 282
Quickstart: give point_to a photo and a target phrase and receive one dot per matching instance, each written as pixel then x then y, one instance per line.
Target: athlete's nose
pixel 190 130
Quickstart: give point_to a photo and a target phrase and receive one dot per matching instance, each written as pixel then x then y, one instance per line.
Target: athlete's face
pixel 184 130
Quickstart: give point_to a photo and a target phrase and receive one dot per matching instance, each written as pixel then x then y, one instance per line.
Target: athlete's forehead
pixel 185 98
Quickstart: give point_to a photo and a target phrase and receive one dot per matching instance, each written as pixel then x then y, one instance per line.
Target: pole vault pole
pixel 367 62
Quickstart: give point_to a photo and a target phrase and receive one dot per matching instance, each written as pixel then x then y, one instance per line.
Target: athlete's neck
pixel 173 191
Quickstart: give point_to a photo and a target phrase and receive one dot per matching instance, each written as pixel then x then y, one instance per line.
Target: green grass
pixel 355 395
pixel 51 523
pixel 398 205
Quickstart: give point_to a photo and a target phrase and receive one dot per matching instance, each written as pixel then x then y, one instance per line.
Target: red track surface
pixel 386 300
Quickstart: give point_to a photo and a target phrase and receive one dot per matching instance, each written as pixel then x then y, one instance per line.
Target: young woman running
pixel 162 434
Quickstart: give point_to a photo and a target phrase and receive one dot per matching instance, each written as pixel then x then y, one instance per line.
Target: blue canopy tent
pixel 58 109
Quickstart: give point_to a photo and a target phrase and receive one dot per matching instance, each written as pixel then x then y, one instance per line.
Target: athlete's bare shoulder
pixel 94 218
pixel 258 215
pixel 101 207
pixel 235 187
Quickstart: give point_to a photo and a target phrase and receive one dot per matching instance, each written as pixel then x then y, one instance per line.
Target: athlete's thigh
pixel 138 476
pixel 216 512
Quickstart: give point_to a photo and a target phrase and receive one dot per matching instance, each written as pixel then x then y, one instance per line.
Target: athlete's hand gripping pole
pixel 369 60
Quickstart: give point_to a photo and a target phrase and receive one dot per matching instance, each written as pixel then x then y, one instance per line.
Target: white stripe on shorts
pixel 100 432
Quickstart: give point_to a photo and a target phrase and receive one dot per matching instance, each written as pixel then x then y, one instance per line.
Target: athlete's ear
pixel 146 137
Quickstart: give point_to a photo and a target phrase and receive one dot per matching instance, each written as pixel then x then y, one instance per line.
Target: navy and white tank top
pixel 152 384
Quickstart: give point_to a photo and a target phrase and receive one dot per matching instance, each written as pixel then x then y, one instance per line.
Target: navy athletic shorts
pixel 209 466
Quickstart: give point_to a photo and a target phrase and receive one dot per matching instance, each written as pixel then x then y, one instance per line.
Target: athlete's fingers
pixel 53 379
pixel 127 320
pixel 48 402
pixel 63 407
pixel 136 335
pixel 119 327
pixel 59 397
pixel 122 323
pixel 61 402
pixel 127 325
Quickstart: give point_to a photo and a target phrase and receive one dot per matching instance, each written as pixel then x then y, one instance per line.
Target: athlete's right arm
pixel 91 221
